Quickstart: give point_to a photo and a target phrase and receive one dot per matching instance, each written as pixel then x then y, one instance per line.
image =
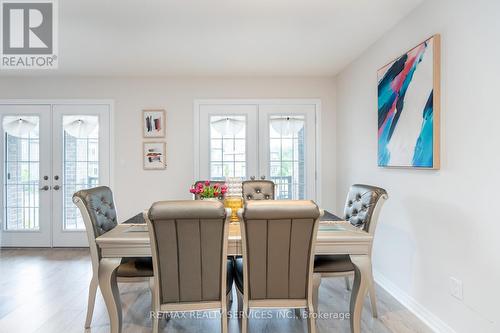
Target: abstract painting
pixel 154 155
pixel 408 108
pixel 153 123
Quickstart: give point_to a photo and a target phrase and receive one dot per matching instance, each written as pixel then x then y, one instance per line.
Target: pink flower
pixel 207 182
pixel 216 186
pixel 192 190
pixel 216 194
pixel 198 191
pixel 223 190
pixel 199 185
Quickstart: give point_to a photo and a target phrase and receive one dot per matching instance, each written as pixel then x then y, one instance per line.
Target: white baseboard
pixel 431 320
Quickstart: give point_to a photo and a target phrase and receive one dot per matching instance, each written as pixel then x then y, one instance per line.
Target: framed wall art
pixel 409 107
pixel 154 155
pixel 153 123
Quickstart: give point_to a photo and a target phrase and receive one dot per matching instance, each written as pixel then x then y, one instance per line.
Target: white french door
pixel 50 151
pixel 26 198
pixel 288 149
pixel 274 140
pixel 80 155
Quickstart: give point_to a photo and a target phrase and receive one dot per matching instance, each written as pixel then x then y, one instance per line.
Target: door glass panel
pixel 21 173
pixel 287 155
pixel 80 163
pixel 227 147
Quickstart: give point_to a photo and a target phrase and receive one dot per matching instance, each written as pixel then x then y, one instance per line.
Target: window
pixel 274 140
pixel 21 167
pixel 227 147
pixel 287 156
pixel 81 163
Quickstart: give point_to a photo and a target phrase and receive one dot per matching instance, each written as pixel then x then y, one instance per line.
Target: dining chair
pixel 189 249
pixel 99 216
pixel 278 241
pixel 258 190
pixel 362 209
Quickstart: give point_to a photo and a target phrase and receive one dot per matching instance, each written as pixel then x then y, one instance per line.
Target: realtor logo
pixel 29 39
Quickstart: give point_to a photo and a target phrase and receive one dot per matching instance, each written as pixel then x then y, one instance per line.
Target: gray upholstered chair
pixel 212 182
pixel 362 209
pixel 258 190
pixel 189 248
pixel 278 241
pixel 99 215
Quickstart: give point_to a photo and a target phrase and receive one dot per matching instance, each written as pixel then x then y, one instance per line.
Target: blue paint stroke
pixel 386 98
pixel 423 154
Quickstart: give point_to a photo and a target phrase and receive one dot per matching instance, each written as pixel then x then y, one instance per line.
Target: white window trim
pixel 297 101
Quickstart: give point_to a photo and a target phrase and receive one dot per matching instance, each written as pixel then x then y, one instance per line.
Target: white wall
pixel 443 223
pixel 135 189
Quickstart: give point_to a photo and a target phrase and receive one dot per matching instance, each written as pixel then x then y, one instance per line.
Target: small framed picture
pixel 154 155
pixel 153 123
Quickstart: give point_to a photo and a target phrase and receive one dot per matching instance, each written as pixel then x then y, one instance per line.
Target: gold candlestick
pixel 234 203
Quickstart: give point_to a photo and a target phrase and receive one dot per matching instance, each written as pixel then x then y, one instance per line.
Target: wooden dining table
pixel 335 236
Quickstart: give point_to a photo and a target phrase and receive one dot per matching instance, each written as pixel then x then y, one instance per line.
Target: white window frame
pixel 197 106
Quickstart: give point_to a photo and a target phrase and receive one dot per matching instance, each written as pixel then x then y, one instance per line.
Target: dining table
pixel 335 237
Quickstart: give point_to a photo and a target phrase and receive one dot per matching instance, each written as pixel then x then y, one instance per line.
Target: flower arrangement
pixel 206 190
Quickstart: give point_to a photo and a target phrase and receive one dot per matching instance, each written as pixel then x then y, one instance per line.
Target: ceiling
pixel 219 37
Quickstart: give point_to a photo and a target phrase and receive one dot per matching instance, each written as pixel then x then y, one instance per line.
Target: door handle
pixel 44 188
pixel 57 187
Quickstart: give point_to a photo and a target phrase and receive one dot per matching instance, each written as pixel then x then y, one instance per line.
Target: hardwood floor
pixel 45 291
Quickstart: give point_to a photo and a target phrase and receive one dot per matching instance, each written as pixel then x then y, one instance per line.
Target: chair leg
pixel 240 300
pixel 311 319
pixel 155 315
pixel 373 298
pixel 229 301
pixel 156 322
pixel 244 319
pixel 347 283
pixel 94 283
pixel 223 318
pixel 152 289
pixel 316 284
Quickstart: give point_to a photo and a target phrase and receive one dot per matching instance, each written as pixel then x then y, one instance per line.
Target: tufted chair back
pixel 100 207
pixel 189 249
pixel 99 215
pixel 363 206
pixel 220 183
pixel 258 190
pixel 278 238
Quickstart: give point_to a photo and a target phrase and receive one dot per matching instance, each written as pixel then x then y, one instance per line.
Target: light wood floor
pixel 45 291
